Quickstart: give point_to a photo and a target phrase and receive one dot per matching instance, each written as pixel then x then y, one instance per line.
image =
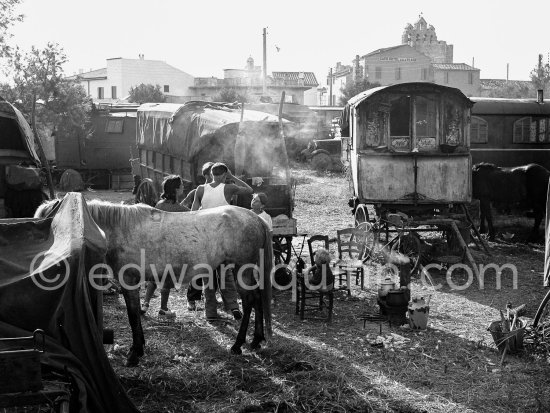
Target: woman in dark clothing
pixel 172 188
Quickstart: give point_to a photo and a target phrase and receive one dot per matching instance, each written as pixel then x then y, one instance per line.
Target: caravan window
pixel 114 126
pixel 453 123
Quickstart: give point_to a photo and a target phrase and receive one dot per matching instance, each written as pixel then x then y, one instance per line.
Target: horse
pixel 189 242
pixel 525 186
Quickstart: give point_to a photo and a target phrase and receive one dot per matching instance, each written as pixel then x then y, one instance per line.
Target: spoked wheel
pixel 542 317
pixel 361 214
pixel 146 193
pixel 372 238
pixel 411 246
pixel 282 249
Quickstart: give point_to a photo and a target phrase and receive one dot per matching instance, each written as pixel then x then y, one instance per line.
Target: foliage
pixel 540 75
pixel 37 84
pixel 512 90
pixel 354 88
pixel 146 93
pixel 8 18
pixel 231 95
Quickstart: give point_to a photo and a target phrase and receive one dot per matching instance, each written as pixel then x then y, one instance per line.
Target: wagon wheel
pixel 146 193
pixel 321 162
pixel 361 214
pixel 371 240
pixel 282 249
pixel 411 246
pixel 542 317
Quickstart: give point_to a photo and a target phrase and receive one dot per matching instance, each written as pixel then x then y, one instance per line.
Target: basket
pixel 20 369
pixel 512 340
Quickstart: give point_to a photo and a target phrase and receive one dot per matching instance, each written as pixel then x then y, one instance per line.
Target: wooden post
pixel 283 143
pixel 466 249
pixel 41 153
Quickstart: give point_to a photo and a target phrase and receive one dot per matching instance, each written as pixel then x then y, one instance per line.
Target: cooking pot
pixel 385 286
pixel 397 298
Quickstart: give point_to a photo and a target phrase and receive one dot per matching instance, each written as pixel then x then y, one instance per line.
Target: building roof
pixel 453 66
pixel 309 77
pixel 93 74
pixel 384 49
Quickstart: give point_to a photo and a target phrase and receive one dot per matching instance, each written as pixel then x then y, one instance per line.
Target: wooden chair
pixel 314 303
pixel 317 241
pixel 351 247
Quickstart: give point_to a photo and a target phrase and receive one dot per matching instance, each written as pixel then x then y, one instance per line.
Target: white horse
pixel 150 239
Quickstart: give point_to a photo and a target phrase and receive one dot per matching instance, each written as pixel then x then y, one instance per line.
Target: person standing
pixel 258 204
pixel 194 294
pixel 211 195
pixel 172 187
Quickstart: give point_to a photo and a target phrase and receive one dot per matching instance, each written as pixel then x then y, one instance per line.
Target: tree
pixel 8 18
pixel 37 86
pixel 354 88
pixel 231 95
pixel 540 75
pixel 512 90
pixel 146 93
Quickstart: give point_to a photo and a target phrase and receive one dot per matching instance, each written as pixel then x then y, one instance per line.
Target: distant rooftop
pixel 93 74
pixel 453 66
pixel 309 77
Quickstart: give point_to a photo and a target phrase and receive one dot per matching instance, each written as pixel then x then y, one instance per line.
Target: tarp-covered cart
pixel 20 164
pixel 180 138
pixel 48 281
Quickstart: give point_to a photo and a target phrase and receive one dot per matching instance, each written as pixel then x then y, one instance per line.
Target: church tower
pixel 423 38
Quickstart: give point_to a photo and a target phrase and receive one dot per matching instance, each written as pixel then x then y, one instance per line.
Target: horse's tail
pixel 265 289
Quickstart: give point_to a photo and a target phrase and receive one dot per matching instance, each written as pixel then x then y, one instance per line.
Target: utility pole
pixel 329 100
pixel 265 63
pixel 507 71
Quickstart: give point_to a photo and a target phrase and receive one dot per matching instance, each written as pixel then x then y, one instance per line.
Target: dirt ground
pixel 311 365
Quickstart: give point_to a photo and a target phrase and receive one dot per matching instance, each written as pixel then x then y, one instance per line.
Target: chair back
pixel 315 242
pixel 351 243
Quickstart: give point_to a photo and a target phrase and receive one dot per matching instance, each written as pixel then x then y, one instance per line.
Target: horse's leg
pixel 485 206
pixel 539 215
pixel 247 301
pixel 131 298
pixel 482 217
pixel 258 321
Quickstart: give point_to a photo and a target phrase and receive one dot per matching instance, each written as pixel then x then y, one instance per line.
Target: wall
pixel 411 63
pixel 460 80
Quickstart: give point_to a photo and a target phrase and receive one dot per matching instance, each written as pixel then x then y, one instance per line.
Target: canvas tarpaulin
pixel 44 283
pixel 184 130
pixel 16 137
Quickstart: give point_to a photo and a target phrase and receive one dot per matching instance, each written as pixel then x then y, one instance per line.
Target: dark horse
pixel 525 186
pixel 193 243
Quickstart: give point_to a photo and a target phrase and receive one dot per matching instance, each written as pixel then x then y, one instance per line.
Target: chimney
pixel 540 96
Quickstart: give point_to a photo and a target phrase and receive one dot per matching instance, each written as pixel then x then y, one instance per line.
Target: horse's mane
pixel 112 215
pixel 105 213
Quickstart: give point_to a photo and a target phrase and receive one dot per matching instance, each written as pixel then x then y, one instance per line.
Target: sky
pixel 204 37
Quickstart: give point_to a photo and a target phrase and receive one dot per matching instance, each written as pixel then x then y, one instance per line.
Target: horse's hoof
pixel 236 350
pixel 132 361
pixel 255 346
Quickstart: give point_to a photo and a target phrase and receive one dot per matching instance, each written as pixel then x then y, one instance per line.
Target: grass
pixel 312 366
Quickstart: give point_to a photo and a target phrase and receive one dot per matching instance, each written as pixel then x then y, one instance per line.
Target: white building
pixel 113 83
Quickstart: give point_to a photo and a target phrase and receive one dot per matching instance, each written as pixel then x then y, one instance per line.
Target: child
pixel 258 204
pixel 320 273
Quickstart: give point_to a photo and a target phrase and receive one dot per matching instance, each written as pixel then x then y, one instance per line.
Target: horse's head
pixel 47 208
